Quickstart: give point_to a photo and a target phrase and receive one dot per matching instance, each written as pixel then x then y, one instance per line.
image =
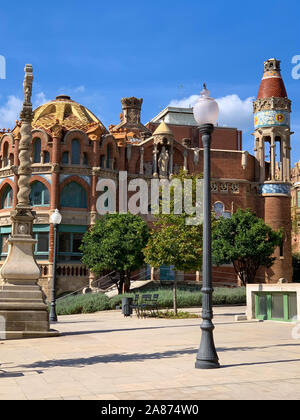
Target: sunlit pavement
pixel 106 356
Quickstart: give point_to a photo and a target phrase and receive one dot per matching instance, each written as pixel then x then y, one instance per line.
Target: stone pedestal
pixel 23 313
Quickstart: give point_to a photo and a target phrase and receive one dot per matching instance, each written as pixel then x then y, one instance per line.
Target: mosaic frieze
pixel 274 189
pixel 271 118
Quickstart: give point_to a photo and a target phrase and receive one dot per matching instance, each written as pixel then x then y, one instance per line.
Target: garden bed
pixel 186 298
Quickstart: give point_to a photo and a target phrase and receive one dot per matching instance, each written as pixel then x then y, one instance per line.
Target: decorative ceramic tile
pixel 219 210
pixel 274 189
pixel 271 118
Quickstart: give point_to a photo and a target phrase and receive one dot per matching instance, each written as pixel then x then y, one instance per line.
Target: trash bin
pixel 126 306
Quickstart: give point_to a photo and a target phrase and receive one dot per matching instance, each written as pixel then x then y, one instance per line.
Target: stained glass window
pixel 39 195
pixel 75 152
pixel 219 210
pixel 73 195
pixel 7 198
pixel 37 150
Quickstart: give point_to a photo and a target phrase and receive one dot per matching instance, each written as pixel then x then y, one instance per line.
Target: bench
pixel 145 305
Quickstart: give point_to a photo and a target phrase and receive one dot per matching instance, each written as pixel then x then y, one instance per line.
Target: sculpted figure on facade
pixel 163 162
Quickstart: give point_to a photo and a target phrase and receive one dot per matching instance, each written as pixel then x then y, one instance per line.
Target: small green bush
pixel 171 315
pixel 82 304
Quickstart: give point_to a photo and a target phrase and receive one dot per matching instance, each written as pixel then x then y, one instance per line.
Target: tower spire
pixel 272 139
pixel 271 84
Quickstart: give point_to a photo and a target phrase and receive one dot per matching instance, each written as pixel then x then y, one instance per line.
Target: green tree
pixel 115 243
pixel 296 267
pixel 245 241
pixel 174 243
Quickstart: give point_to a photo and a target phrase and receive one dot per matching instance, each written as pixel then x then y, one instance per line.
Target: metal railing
pixel 84 287
pixel 138 276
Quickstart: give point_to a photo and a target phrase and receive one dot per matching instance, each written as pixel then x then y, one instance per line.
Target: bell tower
pixel 272 152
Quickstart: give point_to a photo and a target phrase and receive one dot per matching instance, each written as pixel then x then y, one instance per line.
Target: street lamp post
pixel 206 112
pixel 55 218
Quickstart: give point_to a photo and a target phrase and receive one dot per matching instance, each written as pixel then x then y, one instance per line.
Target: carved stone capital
pixel 265 104
pixel 56 130
pixel 55 167
pixel 94 131
pixel 95 171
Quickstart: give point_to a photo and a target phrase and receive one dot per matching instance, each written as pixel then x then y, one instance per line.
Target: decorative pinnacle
pixel 26 113
pixel 27 85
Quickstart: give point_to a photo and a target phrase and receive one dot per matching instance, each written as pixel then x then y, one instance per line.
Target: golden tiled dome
pixel 67 113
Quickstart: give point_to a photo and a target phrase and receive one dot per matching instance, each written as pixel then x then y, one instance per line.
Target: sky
pixel 162 51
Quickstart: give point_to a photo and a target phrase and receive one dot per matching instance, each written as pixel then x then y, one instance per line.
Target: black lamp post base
pixel 207 364
pixel 52 314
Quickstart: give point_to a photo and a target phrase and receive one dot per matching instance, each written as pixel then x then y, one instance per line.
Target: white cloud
pixel 79 89
pixel 39 99
pixel 10 111
pixel 185 102
pixel 234 111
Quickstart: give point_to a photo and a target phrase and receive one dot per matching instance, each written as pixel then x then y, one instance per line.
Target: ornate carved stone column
pixel 272 156
pixel 17 137
pixel 141 161
pixel 23 312
pixel 185 168
pixel 171 161
pixel 155 152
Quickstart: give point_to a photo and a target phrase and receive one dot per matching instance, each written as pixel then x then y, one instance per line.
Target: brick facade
pixel 133 147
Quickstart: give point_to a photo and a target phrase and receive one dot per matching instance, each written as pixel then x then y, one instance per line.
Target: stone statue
pixel 163 162
pixel 148 167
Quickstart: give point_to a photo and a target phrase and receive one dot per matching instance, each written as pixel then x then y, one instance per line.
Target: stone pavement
pixel 105 356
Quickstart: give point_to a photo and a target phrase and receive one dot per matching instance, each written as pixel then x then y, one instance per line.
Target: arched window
pixel 65 158
pixel 108 156
pixel 39 195
pixel 75 152
pixel 5 155
pixel 73 195
pixel 7 198
pixel 46 157
pixel 37 150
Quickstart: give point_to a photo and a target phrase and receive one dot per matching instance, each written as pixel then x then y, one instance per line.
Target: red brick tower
pixel 272 151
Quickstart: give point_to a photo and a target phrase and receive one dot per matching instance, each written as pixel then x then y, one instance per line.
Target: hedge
pixel 185 298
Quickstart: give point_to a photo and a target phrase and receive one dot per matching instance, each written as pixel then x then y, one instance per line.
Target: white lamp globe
pixel 206 109
pixel 56 217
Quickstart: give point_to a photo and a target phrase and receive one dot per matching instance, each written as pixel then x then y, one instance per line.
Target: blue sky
pixel 162 51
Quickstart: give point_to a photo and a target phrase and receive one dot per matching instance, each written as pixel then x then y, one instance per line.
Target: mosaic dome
pixel 68 113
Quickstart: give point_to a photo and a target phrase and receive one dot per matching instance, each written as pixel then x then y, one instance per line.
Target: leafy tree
pixel 296 267
pixel 245 241
pixel 174 243
pixel 115 243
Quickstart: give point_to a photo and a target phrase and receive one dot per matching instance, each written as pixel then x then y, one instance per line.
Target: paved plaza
pixel 108 357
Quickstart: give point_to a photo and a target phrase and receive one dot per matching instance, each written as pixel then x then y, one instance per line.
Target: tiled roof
pixel 66 112
pixel 271 85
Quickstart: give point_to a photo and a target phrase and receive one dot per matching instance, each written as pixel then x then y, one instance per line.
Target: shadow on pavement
pixel 108 358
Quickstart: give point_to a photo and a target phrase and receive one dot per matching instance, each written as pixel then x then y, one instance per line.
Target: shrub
pixel 296 267
pixel 82 304
pixel 186 297
pixel 171 315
